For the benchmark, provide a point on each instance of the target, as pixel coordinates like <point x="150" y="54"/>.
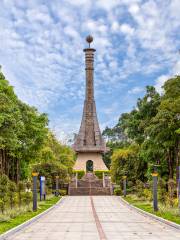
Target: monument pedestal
<point x="90" y="185"/>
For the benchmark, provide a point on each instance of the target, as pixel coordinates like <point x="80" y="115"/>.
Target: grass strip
<point x="21" y="218"/>
<point x="165" y="212"/>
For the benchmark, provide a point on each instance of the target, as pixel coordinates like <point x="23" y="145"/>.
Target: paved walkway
<point x="97" y="217"/>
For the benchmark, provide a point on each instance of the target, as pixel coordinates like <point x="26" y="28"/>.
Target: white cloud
<point x="134" y="9"/>
<point x="71" y="32"/>
<point x="107" y="5"/>
<point x="160" y="82"/>
<point x="176" y="68"/>
<point x="115" y="27"/>
<point x="126" y="29"/>
<point x="136" y="90"/>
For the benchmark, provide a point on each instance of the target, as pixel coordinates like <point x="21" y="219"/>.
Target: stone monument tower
<point x="89" y="144"/>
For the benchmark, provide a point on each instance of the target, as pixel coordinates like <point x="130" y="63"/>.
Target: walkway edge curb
<point x="24" y="224"/>
<point x="150" y="215"/>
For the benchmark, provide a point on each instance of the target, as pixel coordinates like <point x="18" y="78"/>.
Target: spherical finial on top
<point x="89" y="39"/>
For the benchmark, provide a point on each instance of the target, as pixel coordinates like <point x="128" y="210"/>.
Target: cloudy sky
<point x="41" y="43"/>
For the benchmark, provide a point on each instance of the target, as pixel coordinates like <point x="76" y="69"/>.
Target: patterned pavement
<point x="93" y="218"/>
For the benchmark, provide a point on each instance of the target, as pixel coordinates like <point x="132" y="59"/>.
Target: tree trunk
<point x="3" y="161"/>
<point x="17" y="170"/>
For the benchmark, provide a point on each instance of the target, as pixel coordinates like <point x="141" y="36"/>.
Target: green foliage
<point x="51" y="170"/>
<point x="80" y="173"/>
<point x="139" y="187"/>
<point x="171" y="191"/>
<point x="20" y="189"/>
<point x="118" y="191"/>
<point x="12" y="193"/>
<point x="62" y="192"/>
<point x="55" y="159"/>
<point x="147" y="194"/>
<point x="162" y="190"/>
<point x="99" y="173"/>
<point x="123" y="164"/>
<point x="28" y="198"/>
<point x="3" y="191"/>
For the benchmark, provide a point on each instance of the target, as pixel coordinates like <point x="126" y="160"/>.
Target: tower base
<point x="96" y="158"/>
<point x="89" y="184"/>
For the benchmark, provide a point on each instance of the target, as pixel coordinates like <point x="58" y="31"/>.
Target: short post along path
<point x="93" y="218"/>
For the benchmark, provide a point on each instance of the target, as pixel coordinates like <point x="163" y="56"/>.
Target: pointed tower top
<point x="89" y="39"/>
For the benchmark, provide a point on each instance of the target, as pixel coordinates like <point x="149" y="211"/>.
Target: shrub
<point x="171" y="191"/>
<point x="62" y="192"/>
<point x="28" y="185"/>
<point x="162" y="192"/>
<point x="99" y="173"/>
<point x="80" y="173"/>
<point x="117" y="191"/>
<point x="147" y="193"/>
<point x="139" y="188"/>
<point x="3" y="191"/>
<point x="12" y="193"/>
<point x="130" y="187"/>
<point x="27" y="196"/>
<point x="20" y="189"/>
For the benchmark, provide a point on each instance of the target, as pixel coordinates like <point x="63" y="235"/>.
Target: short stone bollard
<point x="34" y="191"/>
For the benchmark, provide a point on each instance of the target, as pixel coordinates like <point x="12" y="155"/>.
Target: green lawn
<point x="24" y="216"/>
<point x="166" y="212"/>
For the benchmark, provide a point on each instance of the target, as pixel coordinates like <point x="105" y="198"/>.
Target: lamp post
<point x="124" y="185"/>
<point x="155" y="183"/>
<point x="57" y="186"/>
<point x="179" y="189"/>
<point x="34" y="174"/>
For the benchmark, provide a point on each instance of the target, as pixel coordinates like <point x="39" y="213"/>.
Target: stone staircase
<point x="89" y="185"/>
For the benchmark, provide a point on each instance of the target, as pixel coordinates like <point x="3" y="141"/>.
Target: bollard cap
<point x="35" y="174"/>
<point x="154" y="174"/>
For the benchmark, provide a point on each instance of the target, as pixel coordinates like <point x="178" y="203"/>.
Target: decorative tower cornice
<point x="89" y="138"/>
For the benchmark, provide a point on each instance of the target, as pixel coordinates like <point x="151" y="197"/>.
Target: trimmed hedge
<point x="80" y="173"/>
<point x="99" y="173"/>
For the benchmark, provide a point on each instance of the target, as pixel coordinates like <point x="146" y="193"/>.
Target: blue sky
<point x="41" y="43"/>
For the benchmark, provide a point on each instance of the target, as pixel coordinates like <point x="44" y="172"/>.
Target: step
<point x="82" y="191"/>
